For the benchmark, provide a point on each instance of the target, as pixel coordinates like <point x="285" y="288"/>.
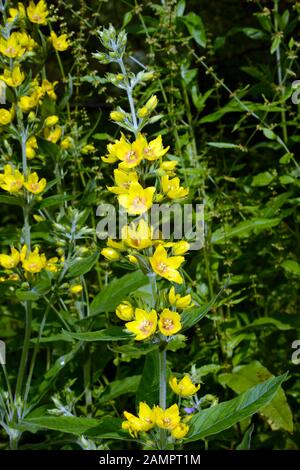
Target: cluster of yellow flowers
<point x="168" y="419"/>
<point x="32" y="261"/>
<point x="12" y="181"/>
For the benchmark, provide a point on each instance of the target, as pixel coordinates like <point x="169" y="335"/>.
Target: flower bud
<point x="143" y="112"/>
<point x="110" y="254"/>
<point x="125" y="311"/>
<point x="51" y="121"/>
<point x="152" y="103"/>
<point x="117" y="116"/>
<point x="76" y="289"/>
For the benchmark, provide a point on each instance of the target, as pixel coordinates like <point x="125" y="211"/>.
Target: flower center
<point x="10" y="50"/>
<point x="166" y="421"/>
<point x="148" y="151"/>
<point x="168" y="324"/>
<point x="130" y="156"/>
<point x="145" y="326"/>
<point x="162" y="267"/>
<point x="34" y="186"/>
<point x="139" y="202"/>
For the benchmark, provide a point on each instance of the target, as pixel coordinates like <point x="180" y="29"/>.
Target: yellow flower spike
<point x="60" y="43"/>
<point x="166" y="266"/>
<point x="169" y="322"/>
<point x="130" y="155"/>
<point x="10" y="261"/>
<point x="180" y="248"/>
<point x="167" y="419"/>
<point x="76" y="289"/>
<point x="13" y="78"/>
<point x="123" y="179"/>
<point x="125" y="311"/>
<point x="37" y="13"/>
<point x="51" y="121"/>
<point x="154" y="150"/>
<point x="144" y="324"/>
<point x="34" y="185"/>
<point x="172" y="188"/>
<point x="110" y="254"/>
<point x="138" y="236"/>
<point x="11" y="180"/>
<point x="138" y="200"/>
<point x="180" y="431"/>
<point x="6" y="116"/>
<point x="185" y="387"/>
<point x="34" y="262"/>
<point x="53" y="135"/>
<point x="178" y="301"/>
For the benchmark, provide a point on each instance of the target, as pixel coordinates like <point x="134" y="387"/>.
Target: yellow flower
<point x="26" y="103"/>
<point x="11" y="47"/>
<point x="138" y="200"/>
<point x="11" y="180"/>
<point x="179" y="248"/>
<point x="125" y="311"/>
<point x="10" y="261"/>
<point x="26" y="41"/>
<point x="168" y="166"/>
<point x="138" y="236"/>
<point x="88" y="148"/>
<point x="38" y="13"/>
<point x="152" y="103"/>
<point x="180" y="431"/>
<point x="129" y="154"/>
<point x="141" y="423"/>
<point x="48" y="88"/>
<point x="154" y="149"/>
<point x="144" y="324"/>
<point x="52" y="135"/>
<point x="178" y="301"/>
<point x="185" y="387"/>
<point x="169" y="322"/>
<point x="167" y="419"/>
<point x="31" y="147"/>
<point x="166" y="266"/>
<point x="123" y="180"/>
<point x="51" y="121"/>
<point x="132" y="259"/>
<point x="110" y="254"/>
<point x="20" y="12"/>
<point x="13" y="78"/>
<point x="66" y="143"/>
<point x="172" y="188"/>
<point x="60" y="43"/>
<point x="34" y="262"/>
<point x="33" y="185"/>
<point x="52" y="265"/>
<point x="117" y="116"/>
<point x="142" y="112"/>
<point x="6" y="116"/>
<point x="113" y="244"/>
<point x="76" y="289"/>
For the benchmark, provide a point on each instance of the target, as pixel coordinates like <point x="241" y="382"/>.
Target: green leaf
<point x="269" y="134"/>
<point x="11" y="200"/>
<point x="245" y="444"/>
<point x="291" y="266"/>
<point x="114" y="333"/>
<point x="116" y="291"/>
<point x="148" y="389"/>
<point x="195" y="27"/>
<point x="223" y="145"/>
<point x="262" y="179"/>
<point x="243" y="229"/>
<point x="191" y="316"/>
<point x="105" y="428"/>
<point x="275" y="44"/>
<point x="82" y="266"/>
<point x="277" y="412"/>
<point x="56" y="200"/>
<point x="224" y="415"/>
<point x="120" y="387"/>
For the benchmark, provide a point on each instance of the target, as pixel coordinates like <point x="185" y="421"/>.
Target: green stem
<point x="130" y="97"/>
<point x="162" y="394"/>
<point x="280" y="78"/>
<point x="25" y="349"/>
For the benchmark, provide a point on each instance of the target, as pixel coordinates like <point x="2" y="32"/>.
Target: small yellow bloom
<point x="38" y="13"/>
<point x="34" y="262"/>
<point x="132" y="259"/>
<point x="26" y="103"/>
<point x="48" y="88"/>
<point x="117" y="116"/>
<point x="33" y="185"/>
<point x="51" y="121"/>
<point x="13" y="78"/>
<point x="31" y="147"/>
<point x="138" y="200"/>
<point x="13" y="12"/>
<point x="76" y="289"/>
<point x="125" y="311"/>
<point x="167" y="419"/>
<point x="11" y="46"/>
<point x="179" y="248"/>
<point x="11" y="180"/>
<point x="60" y="43"/>
<point x="166" y="266"/>
<point x="52" y="265"/>
<point x="152" y="103"/>
<point x="123" y="179"/>
<point x="185" y="387"/>
<point x="10" y="261"/>
<point x="180" y="431"/>
<point x="6" y="116"/>
<point x="169" y="322"/>
<point x="66" y="143"/>
<point x="52" y="135"/>
<point x="142" y="112"/>
<point x="154" y="150"/>
<point x="172" y="188"/>
<point x="147" y="416"/>
<point x="129" y="154"/>
<point x="138" y="236"/>
<point x="110" y="254"/>
<point x="141" y="423"/>
<point x="178" y="301"/>
<point x="144" y="324"/>
<point x="88" y="148"/>
<point x="169" y="165"/>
